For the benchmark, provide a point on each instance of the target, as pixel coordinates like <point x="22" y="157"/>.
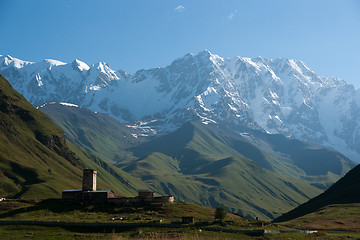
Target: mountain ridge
<point x="276" y="96"/>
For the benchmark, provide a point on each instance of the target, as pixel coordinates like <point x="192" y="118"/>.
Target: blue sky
<point x="132" y="35"/>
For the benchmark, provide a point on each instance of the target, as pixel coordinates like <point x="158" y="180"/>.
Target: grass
<point x="237" y="183"/>
<point x="35" y="160"/>
<point x="344" y="234"/>
<point x="342" y="217"/>
<point x="96" y="133"/>
<point x="58" y="233"/>
<point x="45" y="233"/>
<point x="198" y="165"/>
<point x="344" y="191"/>
<point x="108" y="176"/>
<point x="53" y="210"/>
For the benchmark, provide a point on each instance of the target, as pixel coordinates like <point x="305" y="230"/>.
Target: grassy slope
<point x="96" y="133"/>
<point x="110" y="140"/>
<point x="237" y="183"/>
<point x="186" y="163"/>
<point x="36" y="162"/>
<point x="109" y="177"/>
<point x="290" y="157"/>
<point x="346" y="190"/>
<point x="30" y="148"/>
<point x="313" y="159"/>
<point x="54" y="211"/>
<point x="332" y="217"/>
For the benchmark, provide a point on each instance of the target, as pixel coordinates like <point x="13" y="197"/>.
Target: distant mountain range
<point x="280" y="96"/>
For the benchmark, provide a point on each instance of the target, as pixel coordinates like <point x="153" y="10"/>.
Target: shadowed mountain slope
<point x="95" y="132"/>
<point x="344" y="191"/>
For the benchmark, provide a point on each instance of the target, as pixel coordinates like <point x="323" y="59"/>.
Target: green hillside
<point x="237" y="183"/>
<point x="198" y="163"/>
<point x="293" y="158"/>
<point x="95" y="132"/>
<point x="185" y="164"/>
<point x="339" y="217"/>
<point x="195" y="145"/>
<point x="253" y="174"/>
<point x="116" y="143"/>
<point x="154" y="221"/>
<point x="36" y="161"/>
<point x="122" y="183"/>
<point x="344" y="191"/>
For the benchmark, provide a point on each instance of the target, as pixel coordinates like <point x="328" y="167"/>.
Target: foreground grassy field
<point x="44" y="233"/>
<point x="204" y="227"/>
<point x="58" y="233"/>
<point x="342" y="217"/>
<point x="55" y="210"/>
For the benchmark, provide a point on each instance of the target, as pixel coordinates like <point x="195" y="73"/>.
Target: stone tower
<point x="89" y="180"/>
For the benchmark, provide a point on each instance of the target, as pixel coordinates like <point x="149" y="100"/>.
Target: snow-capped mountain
<point x="278" y="96"/>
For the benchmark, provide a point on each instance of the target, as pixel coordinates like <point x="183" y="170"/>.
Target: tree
<point x="220" y="213"/>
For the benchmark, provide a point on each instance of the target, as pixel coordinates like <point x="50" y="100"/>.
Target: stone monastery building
<point x="89" y="194"/>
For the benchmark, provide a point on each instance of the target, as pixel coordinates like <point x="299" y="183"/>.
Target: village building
<point x="89" y="193"/>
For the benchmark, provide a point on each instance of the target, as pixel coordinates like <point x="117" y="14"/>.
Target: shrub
<point x="220" y="213"/>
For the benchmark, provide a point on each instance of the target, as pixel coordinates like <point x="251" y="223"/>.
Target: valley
<point x="254" y="175"/>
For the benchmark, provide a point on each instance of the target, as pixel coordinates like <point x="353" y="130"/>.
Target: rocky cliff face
<point x="278" y="96"/>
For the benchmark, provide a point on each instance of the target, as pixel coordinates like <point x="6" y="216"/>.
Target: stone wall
<point x="164" y="199"/>
<point x="132" y="200"/>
